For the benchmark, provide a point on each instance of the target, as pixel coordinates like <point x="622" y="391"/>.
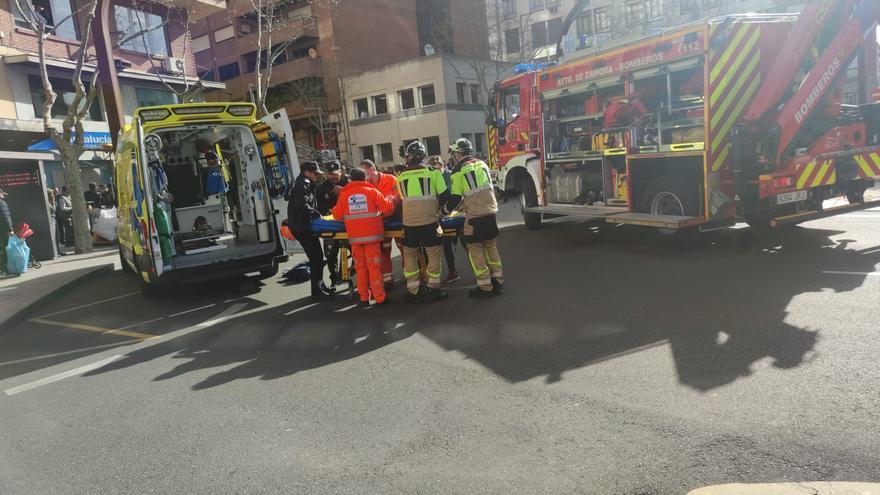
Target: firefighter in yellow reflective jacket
<point x="422" y="192"/>
<point x="473" y="195"/>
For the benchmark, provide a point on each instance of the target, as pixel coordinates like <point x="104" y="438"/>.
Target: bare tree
<point x="68" y="136"/>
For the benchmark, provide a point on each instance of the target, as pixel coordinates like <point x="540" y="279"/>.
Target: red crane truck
<point x="738" y="118"/>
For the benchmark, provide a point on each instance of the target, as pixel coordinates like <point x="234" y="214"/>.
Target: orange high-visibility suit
<point x="387" y="184"/>
<point x="363" y="207"/>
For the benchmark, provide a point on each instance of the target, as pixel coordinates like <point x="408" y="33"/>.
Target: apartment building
<point x="332" y="40"/>
<point x="28" y="161"/>
<point x="526" y="30"/>
<point x="435" y="99"/>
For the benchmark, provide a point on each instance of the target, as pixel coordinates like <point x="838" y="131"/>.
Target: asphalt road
<point x="613" y="364"/>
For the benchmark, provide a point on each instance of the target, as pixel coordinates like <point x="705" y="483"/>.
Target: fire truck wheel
<point x="528" y="199"/>
<point x="670" y="195"/>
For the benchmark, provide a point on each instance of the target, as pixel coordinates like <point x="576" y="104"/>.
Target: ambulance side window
<point x="510" y="102"/>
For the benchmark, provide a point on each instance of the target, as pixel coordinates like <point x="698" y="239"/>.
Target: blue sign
<point x="93" y="141"/>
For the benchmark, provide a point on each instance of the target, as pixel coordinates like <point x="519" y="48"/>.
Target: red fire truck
<point x="755" y="118"/>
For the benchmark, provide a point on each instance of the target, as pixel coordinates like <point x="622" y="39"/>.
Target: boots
<point x="434" y="295"/>
<point x="479" y="293"/>
<point x="497" y="286"/>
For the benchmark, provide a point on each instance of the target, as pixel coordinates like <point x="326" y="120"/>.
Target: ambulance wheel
<point x="529" y="198"/>
<point x="126" y="268"/>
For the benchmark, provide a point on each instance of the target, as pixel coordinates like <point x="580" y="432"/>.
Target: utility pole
<point x="107" y="70"/>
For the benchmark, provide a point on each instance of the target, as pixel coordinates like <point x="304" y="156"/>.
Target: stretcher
<point x="328" y="228"/>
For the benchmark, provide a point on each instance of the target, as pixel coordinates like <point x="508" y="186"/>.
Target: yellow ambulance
<point x="200" y="192"/>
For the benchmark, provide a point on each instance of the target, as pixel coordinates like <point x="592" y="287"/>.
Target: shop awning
<point x="94" y="141"/>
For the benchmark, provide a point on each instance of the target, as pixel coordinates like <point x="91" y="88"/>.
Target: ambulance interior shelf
<point x="198" y="183"/>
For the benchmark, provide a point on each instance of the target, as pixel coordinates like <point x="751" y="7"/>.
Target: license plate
<point x="791" y="197"/>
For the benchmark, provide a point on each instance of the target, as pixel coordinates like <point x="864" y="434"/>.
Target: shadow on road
<point x="572" y="300"/>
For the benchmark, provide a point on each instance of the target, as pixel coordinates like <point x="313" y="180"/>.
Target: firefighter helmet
<point x="416" y="150"/>
<point x="463" y="146"/>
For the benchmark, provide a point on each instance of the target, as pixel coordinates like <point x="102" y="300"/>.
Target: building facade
<point x="527" y="30"/>
<point x="152" y="68"/>
<point x="435" y="99"/>
<point x="331" y="40"/>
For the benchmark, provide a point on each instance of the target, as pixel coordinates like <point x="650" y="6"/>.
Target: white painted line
<point x="74" y="351"/>
<point x="61" y="376"/>
<point x="142" y="323"/>
<point x="345" y="308"/>
<point x="235" y="308"/>
<point x="6" y="289"/>
<point x="861" y="274"/>
<point x="192" y="310"/>
<point x="90" y="304"/>
<point x="297" y="310"/>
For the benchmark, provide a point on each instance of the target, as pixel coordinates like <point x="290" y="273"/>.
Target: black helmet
<point x="463" y="146"/>
<point x="416" y="150"/>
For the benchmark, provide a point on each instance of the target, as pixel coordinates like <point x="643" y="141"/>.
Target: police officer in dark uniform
<point x="328" y="193"/>
<point x="302" y="208"/>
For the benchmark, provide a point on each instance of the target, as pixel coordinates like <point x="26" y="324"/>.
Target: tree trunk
<point x="82" y="230"/>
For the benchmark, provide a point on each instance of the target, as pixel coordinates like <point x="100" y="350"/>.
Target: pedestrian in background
<point x="302" y="208"/>
<point x="363" y="208"/>
<point x="387" y="185"/>
<point x="449" y="242"/>
<point x="64" y="213"/>
<point x="473" y="194"/>
<point x="53" y="207"/>
<point x="328" y="194"/>
<point x="6" y="228"/>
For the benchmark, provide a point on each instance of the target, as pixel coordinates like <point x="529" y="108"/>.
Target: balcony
<point x="198" y="9"/>
<point x="239" y="87"/>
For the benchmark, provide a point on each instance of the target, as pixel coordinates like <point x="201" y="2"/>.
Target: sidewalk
<point x="18" y="294"/>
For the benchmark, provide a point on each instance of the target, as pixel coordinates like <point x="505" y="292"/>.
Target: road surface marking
<point x="297" y="310"/>
<point x="92" y="328"/>
<point x="142" y="323"/>
<point x="862" y="274"/>
<point x="91" y="304"/>
<point x="8" y="288"/>
<point x="75" y="351"/>
<point x="235" y="308"/>
<point x="61" y="376"/>
<point x="345" y="308"/>
<point x="191" y="310"/>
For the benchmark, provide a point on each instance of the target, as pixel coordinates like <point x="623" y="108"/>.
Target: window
<point x="407" y="99"/>
<point x="585" y="24"/>
<point x="508" y="8"/>
<point x="433" y="145"/>
<point x="223" y="34"/>
<point x="380" y="105"/>
<point x="539" y="34"/>
<point x="54" y="11"/>
<point x="367" y="153"/>
<point x="201" y="43"/>
<point x="207" y="75"/>
<point x="554" y="30"/>
<point x="511" y="41"/>
<point x="475" y="94"/>
<point x="536" y="5"/>
<point x="361" y="108"/>
<point x="479" y="144"/>
<point x="229" y="71"/>
<point x="427" y="95"/>
<point x="386" y="154"/>
<point x="654" y="9"/>
<point x="511" y="103"/>
<point x="64" y="89"/>
<point x="130" y="21"/>
<point x="147" y="97"/>
<point x="602" y="20"/>
<point x="459" y="92"/>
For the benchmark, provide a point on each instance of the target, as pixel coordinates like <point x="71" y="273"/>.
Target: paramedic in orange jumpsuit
<point x="363" y="208"/>
<point x="387" y="185"/>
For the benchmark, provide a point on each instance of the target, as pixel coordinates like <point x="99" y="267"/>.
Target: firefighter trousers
<point x="411" y="267"/>
<point x="486" y="262"/>
<point x="368" y="270"/>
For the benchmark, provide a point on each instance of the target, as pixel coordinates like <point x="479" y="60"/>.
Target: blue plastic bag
<point x="17" y="255"/>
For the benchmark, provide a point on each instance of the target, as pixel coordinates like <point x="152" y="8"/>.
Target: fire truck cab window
<point x="510" y="101"/>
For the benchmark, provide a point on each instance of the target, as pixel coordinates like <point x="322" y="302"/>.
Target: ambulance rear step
<point x="674" y="222"/>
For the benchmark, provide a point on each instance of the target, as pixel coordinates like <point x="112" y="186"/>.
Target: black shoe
<point x="497" y="286"/>
<point x="435" y="295"/>
<point x="364" y="304"/>
<point x="414" y="298"/>
<point x="327" y="290"/>
<point x="481" y="294"/>
<point x="321" y="296"/>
